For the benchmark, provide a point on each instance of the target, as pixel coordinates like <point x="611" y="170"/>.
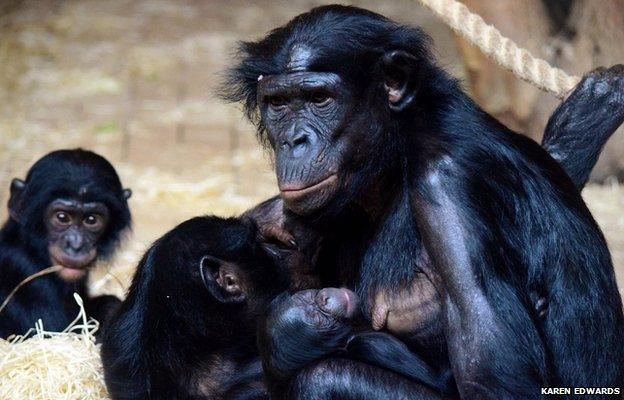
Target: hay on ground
<point x="44" y="365"/>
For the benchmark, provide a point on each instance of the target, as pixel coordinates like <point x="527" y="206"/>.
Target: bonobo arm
<point x="385" y="351"/>
<point x="582" y="124"/>
<point x="575" y="135"/>
<point x="483" y="351"/>
<point x="337" y="378"/>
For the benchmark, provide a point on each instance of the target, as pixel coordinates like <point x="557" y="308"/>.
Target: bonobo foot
<point x="582" y="124"/>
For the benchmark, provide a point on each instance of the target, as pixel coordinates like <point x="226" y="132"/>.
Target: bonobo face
<point x="304" y="115"/>
<point x="73" y="231"/>
<point x="323" y="309"/>
<point x="333" y="89"/>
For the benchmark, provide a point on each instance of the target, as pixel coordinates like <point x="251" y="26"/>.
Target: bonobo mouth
<point x="295" y="191"/>
<point x="74" y="267"/>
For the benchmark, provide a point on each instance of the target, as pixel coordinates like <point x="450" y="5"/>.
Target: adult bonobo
<point x="424" y="199"/>
<point x="70" y="210"/>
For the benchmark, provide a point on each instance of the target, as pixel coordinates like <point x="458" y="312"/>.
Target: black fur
<point x="528" y="233"/>
<point x="23" y="243"/>
<point x="296" y="334"/>
<point x="172" y="338"/>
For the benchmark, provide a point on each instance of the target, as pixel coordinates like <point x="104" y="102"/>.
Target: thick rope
<point x="501" y="49"/>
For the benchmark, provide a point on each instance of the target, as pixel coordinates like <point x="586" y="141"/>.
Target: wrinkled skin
<point x="74" y="229"/>
<point x="305" y="112"/>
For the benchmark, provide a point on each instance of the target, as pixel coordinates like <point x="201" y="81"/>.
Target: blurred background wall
<point x="134" y="81"/>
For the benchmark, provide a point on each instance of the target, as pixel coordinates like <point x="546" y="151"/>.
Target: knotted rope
<point x="501" y="49"/>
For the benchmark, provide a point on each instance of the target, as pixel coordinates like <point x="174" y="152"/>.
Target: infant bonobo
<point x="303" y="328"/>
<point x="187" y="328"/>
<point x="69" y="211"/>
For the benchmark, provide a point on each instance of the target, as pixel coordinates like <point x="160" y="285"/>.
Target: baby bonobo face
<point x="305" y="326"/>
<point x="323" y="308"/>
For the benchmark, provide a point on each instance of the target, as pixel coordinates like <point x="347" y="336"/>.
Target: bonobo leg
<point x="582" y="124"/>
<point x="345" y="379"/>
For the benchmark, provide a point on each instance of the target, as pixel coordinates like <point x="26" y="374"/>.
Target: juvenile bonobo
<point x="187" y="328"/>
<point x="408" y="181"/>
<point x="307" y="327"/>
<point x="70" y="210"/>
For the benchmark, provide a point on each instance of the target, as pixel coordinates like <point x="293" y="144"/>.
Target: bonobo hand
<point x="602" y="92"/>
<point x="269" y="217"/>
<point x="585" y="120"/>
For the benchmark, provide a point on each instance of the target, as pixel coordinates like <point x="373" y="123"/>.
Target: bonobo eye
<point x="62" y="217"/>
<point x="277" y="101"/>
<point x="93" y="221"/>
<point x="320" y="98"/>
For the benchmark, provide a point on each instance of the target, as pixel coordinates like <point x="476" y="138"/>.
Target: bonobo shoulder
<point x="434" y="177"/>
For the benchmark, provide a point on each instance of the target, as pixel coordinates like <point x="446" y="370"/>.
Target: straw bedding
<point x="53" y="365"/>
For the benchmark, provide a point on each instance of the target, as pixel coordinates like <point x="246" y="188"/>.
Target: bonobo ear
<point x="127" y="193"/>
<point x="15" y="201"/>
<point x="401" y="78"/>
<point x="222" y="280"/>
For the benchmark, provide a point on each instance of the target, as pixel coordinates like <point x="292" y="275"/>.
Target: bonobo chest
<point x="394" y="278"/>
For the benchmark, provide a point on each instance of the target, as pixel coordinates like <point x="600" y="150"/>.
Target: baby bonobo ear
<point x="222" y="279"/>
<point x="127" y="193"/>
<point x="15" y="201"/>
<point x="401" y="78"/>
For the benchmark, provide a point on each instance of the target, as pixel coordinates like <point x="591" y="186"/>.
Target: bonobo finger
<point x="278" y="234"/>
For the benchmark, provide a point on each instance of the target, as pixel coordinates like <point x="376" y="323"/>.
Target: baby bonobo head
<point x="69" y="211"/>
<point x="317" y="322"/>
<point x="322" y="309"/>
<point x="212" y="263"/>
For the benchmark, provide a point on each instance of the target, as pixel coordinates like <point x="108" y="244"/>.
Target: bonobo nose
<point x="332" y="301"/>
<point x="74" y="241"/>
<point x="338" y="302"/>
<point x="297" y="144"/>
